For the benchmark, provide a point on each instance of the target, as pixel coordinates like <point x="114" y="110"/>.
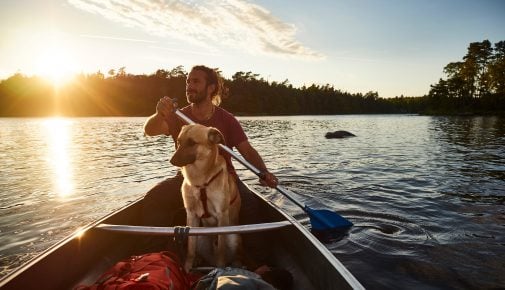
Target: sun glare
<point x="55" y="63"/>
<point x="79" y="233"/>
<point x="58" y="134"/>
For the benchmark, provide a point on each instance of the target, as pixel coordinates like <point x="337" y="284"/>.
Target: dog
<point x="209" y="191"/>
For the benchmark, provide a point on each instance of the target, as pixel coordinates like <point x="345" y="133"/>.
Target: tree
<point x="121" y="72"/>
<point x="475" y="69"/>
<point x="161" y="74"/>
<point x="455" y="85"/>
<point x="178" y="72"/>
<point x="475" y="83"/>
<point x="497" y="70"/>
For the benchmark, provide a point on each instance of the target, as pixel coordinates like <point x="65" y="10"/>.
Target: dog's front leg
<point x="192" y="221"/>
<point x="223" y="220"/>
<point x="234" y="242"/>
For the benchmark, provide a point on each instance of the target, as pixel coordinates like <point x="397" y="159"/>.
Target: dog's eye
<point x="190" y="142"/>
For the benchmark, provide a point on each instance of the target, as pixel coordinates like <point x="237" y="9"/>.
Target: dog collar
<point x="210" y="180"/>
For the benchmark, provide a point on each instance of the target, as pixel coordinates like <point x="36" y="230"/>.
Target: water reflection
<point x="425" y="193"/>
<point x="471" y="150"/>
<point x="58" y="139"/>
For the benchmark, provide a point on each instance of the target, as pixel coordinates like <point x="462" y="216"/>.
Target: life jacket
<point x="153" y="271"/>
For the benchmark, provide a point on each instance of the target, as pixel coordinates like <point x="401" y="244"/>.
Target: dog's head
<point x="196" y="142"/>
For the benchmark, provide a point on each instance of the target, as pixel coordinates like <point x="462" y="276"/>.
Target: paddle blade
<point x="322" y="220"/>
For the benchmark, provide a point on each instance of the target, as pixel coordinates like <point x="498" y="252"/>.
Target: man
<point x="203" y="89"/>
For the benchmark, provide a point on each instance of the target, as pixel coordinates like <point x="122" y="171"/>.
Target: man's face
<point x="196" y="87"/>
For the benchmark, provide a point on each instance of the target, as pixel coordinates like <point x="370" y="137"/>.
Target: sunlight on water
<point x="58" y="132"/>
<point x="425" y="194"/>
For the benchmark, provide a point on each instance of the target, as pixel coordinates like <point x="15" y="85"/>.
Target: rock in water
<point x="339" y="134"/>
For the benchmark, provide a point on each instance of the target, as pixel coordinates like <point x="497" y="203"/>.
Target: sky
<point x="393" y="47"/>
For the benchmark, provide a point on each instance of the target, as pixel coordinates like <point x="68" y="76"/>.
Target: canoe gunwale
<point x="193" y="231"/>
<point x="287" y="226"/>
<point x="76" y="235"/>
<point x="346" y="274"/>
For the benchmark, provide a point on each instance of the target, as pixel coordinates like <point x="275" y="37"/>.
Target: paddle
<point x="320" y="220"/>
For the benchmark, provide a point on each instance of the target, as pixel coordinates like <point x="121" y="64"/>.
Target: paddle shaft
<point x="319" y="219"/>
<point x="246" y="163"/>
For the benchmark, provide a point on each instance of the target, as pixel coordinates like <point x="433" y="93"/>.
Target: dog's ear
<point x="215" y="136"/>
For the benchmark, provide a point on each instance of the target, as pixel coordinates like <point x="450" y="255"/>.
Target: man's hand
<point x="157" y="123"/>
<point x="165" y="107"/>
<point x="268" y="179"/>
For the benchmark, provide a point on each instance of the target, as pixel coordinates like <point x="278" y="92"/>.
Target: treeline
<point x="251" y="94"/>
<point x="475" y="85"/>
<point x="123" y="94"/>
<point x="119" y="94"/>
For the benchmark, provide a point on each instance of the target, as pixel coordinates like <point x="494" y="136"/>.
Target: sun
<point x="56" y="64"/>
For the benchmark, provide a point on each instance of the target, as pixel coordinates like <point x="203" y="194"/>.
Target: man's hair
<point x="213" y="78"/>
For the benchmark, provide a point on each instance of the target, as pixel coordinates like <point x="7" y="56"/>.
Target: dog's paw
<point x="188" y="265"/>
<point x="220" y="261"/>
<point x="187" y="268"/>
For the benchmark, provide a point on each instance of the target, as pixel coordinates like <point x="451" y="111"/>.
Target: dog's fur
<point x="198" y="155"/>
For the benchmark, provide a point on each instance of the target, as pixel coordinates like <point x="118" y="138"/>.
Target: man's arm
<point x="157" y="124"/>
<point x="250" y="154"/>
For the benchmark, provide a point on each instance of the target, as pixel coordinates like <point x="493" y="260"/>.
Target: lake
<point x="426" y="194"/>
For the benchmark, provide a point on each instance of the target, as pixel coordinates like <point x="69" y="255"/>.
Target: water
<point x="426" y="194"/>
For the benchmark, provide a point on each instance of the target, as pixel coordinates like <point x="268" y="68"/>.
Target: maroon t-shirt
<point x="222" y="120"/>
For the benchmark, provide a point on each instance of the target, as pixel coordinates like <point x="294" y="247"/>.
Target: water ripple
<point x="425" y="193"/>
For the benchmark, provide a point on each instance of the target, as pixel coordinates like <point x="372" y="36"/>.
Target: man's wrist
<point x="160" y="116"/>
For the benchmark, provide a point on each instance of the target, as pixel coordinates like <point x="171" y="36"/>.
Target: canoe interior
<point x="79" y="260"/>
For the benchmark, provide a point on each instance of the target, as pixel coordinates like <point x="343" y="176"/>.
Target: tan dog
<point x="209" y="191"/>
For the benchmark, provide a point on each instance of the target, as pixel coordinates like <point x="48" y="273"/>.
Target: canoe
<point x="82" y="257"/>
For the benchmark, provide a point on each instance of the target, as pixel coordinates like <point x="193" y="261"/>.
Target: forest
<point x="474" y="85"/>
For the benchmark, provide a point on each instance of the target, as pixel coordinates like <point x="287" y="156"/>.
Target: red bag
<point x="153" y="271"/>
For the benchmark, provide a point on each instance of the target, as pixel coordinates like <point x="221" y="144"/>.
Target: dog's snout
<point x="182" y="157"/>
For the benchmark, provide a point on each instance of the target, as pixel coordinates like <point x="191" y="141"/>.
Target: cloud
<point x="211" y="53"/>
<point x="117" y="38"/>
<point x="211" y="23"/>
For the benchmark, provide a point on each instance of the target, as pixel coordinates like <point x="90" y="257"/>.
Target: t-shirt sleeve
<point x="237" y="134"/>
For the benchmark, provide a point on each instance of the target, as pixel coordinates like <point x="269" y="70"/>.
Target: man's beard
<point x="195" y="97"/>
